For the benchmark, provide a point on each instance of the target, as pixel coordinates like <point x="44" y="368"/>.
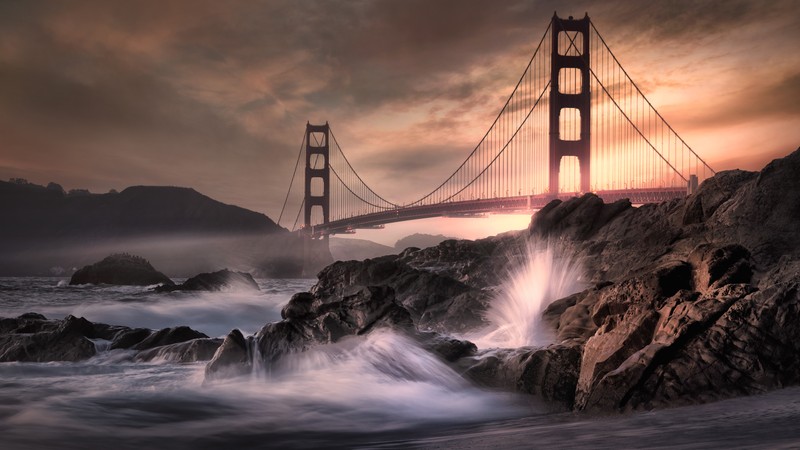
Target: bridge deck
<point x="472" y="208"/>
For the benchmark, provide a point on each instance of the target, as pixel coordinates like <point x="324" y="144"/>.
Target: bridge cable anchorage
<point x="491" y="127"/>
<point x="572" y="45"/>
<point x="291" y="183"/>
<point x="648" y="101"/>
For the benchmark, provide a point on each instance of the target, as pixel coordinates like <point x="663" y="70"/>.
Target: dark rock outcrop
<point x="688" y="301"/>
<point x="231" y="359"/>
<point x="120" y="269"/>
<point x="168" y="336"/>
<point x="199" y="349"/>
<point x="311" y="319"/>
<point x="33" y="338"/>
<point x="43" y="228"/>
<point x="215" y="281"/>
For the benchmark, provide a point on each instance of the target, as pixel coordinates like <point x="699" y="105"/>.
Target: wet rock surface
<point x="120" y="269"/>
<point x="220" y="280"/>
<point x="687" y="301"/>
<point x="33" y="338"/>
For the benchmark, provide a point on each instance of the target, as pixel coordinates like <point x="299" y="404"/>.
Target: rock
<point x="200" y="349"/>
<point x="299" y="306"/>
<point x="549" y="373"/>
<point x="552" y="374"/>
<point x="32" y="316"/>
<point x="691" y="300"/>
<point x="127" y="338"/>
<point x="231" y="359"/>
<point x="167" y="336"/>
<point x="576" y="219"/>
<point x="681" y="324"/>
<point x="718" y="266"/>
<point x="355" y="311"/>
<point x="215" y="281"/>
<point x="750" y="346"/>
<point x="711" y="195"/>
<point x="31" y="339"/>
<point x="120" y="269"/>
<point x="448" y="348"/>
<point x="437" y="286"/>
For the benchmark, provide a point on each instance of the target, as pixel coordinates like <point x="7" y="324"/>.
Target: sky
<point x="102" y="95"/>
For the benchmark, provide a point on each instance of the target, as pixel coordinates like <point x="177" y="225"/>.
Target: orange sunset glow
<point x="215" y="95"/>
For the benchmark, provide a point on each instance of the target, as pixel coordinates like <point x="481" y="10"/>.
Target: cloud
<point x="215" y="95"/>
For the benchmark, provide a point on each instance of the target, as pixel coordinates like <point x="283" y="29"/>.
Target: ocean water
<point x="373" y="391"/>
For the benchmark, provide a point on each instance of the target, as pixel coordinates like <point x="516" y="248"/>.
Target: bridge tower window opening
<point x="570" y="179"/>
<point x="317" y="187"/>
<point x="317" y="215"/>
<point x="570" y="43"/>
<point x="318" y="138"/>
<point x="569" y="124"/>
<point x="570" y="81"/>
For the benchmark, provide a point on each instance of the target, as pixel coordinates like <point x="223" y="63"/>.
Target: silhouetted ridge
<point x="47" y="231"/>
<point x="33" y="211"/>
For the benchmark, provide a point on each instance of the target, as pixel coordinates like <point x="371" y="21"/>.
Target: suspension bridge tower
<point x="317" y="147"/>
<point x="570" y="98"/>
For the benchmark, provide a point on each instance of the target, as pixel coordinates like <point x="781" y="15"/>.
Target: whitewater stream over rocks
<point x="376" y="391"/>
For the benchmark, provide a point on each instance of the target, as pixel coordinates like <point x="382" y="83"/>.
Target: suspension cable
<point x="645" y="98"/>
<point x="504" y="146"/>
<point x="291" y="183"/>
<point x="583" y="60"/>
<point x="341" y="152"/>
<point x="491" y="127"/>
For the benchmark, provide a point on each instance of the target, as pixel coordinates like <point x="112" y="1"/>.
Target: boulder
<point x="233" y="358"/>
<point x="321" y="320"/>
<point x="128" y="337"/>
<point x="120" y="269"/>
<point x="215" y="281"/>
<point x="549" y="373"/>
<point x="194" y="350"/>
<point x="689" y="300"/>
<point x="33" y="338"/>
<point x="167" y="336"/>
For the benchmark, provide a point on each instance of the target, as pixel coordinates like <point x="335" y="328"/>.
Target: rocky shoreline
<point x="32" y="337"/>
<point x="688" y="301"/>
<point x="683" y="302"/>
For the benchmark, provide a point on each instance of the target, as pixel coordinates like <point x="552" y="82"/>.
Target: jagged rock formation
<point x="309" y="320"/>
<point x="120" y="269"/>
<point x="33" y="338"/>
<point x="345" y="249"/>
<point x="215" y="281"/>
<point x="419" y="240"/>
<point x="687" y="301"/>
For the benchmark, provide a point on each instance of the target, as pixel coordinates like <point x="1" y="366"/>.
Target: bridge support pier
<point x="317" y="146"/>
<point x="575" y="59"/>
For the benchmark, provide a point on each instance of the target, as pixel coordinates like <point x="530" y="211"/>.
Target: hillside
<point x="34" y="211"/>
<point x="46" y="231"/>
<point x="420" y="240"/>
<point x="345" y="249"/>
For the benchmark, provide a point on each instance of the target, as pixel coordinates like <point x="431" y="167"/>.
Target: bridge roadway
<point x="474" y="208"/>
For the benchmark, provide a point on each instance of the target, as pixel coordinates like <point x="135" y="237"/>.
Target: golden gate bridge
<point x="574" y="123"/>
